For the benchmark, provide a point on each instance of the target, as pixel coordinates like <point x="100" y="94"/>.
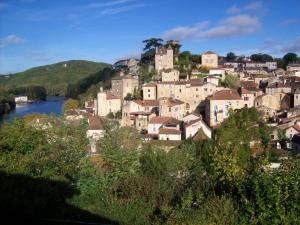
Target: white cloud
<point x="11" y="39"/>
<point x="109" y="3"/>
<point x="233" y="10"/>
<point x="228" y="27"/>
<point x="111" y="11"/>
<point x="288" y="22"/>
<point x="254" y="7"/>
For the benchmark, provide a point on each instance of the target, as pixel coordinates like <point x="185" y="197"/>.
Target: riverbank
<point x="51" y="106"/>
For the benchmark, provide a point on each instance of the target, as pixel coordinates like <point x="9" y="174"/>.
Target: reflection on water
<point x="51" y="106"/>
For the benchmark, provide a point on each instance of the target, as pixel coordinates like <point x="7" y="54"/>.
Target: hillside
<point x="55" y="77"/>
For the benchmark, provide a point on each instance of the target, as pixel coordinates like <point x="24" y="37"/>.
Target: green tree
<point x="289" y="58"/>
<point x="230" y="57"/>
<point x="231" y="81"/>
<point x="69" y="105"/>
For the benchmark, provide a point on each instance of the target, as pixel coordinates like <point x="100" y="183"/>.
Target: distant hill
<point x="55" y="77"/>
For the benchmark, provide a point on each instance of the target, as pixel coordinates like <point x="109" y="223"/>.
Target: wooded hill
<point x="55" y="77"/>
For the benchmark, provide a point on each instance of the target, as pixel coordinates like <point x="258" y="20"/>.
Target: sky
<point x="40" y="32"/>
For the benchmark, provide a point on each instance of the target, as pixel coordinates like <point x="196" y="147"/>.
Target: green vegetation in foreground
<point x="221" y="181"/>
<point x="7" y="101"/>
<point x="55" y="77"/>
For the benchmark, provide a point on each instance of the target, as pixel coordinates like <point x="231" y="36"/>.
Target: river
<point x="51" y="106"/>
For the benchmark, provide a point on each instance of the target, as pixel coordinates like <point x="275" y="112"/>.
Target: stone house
<point x="169" y="107"/>
<point x="192" y="92"/>
<point x="107" y="103"/>
<point x="164" y="128"/>
<point x="149" y="91"/>
<point x="163" y="58"/>
<point x="123" y="85"/>
<point x="169" y="75"/>
<point x="94" y="132"/>
<point x="209" y="59"/>
<point x="138" y="112"/>
<point x="218" y="106"/>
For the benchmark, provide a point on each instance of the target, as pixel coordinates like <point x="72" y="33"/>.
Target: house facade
<point x="218" y="106"/>
<point x="209" y="59"/>
<point x="163" y="58"/>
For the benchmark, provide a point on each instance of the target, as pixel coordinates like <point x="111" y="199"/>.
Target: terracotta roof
<point x="297" y="128"/>
<point x="94" y="123"/>
<point x="192" y="82"/>
<point x="245" y="91"/>
<point x="110" y="95"/>
<point x="146" y="102"/>
<point x="163" y="120"/>
<point x="191" y="122"/>
<point x="173" y="102"/>
<point x="169" y="131"/>
<point x="247" y="84"/>
<point x="279" y="85"/>
<point x="208" y="53"/>
<point x="150" y="85"/>
<point x="140" y="113"/>
<point x="226" y="95"/>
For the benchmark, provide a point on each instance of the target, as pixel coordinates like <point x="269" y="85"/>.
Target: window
<point x="296" y="96"/>
<point x="197" y="96"/>
<point x="180" y="90"/>
<point x="196" y="89"/>
<point x="148" y="95"/>
<point x="169" y="109"/>
<point x="205" y="89"/>
<point x="148" y="90"/>
<point x="246" y="98"/>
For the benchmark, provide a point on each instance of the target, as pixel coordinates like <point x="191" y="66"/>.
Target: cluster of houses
<point x="177" y="107"/>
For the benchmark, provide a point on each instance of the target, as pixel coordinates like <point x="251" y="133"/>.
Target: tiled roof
<point x="140" y="113"/>
<point x="146" y="102"/>
<point x="192" y="82"/>
<point x="173" y="102"/>
<point x="208" y="53"/>
<point x="297" y="128"/>
<point x="110" y="96"/>
<point x="279" y="85"/>
<point x="94" y="123"/>
<point x="150" y="85"/>
<point x="163" y="120"/>
<point x="191" y="122"/>
<point x="169" y="131"/>
<point x="226" y="95"/>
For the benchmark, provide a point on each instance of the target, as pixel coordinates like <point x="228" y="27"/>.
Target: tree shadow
<point x="27" y="200"/>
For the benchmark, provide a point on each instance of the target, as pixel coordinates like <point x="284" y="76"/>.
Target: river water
<point x="51" y="106"/>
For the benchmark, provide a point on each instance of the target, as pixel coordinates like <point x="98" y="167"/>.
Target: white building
<point x="21" y="99"/>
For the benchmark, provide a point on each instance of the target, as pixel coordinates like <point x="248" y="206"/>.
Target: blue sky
<point x="38" y="32"/>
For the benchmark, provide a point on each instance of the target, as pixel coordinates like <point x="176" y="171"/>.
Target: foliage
<point x="55" y="78"/>
<point x="218" y="181"/>
<point x="69" y="105"/>
<point x="7" y="102"/>
<point x="231" y="81"/>
<point x="231" y="57"/>
<point x="289" y="58"/>
<point x="261" y="57"/>
<point x="32" y="92"/>
<point x="148" y="54"/>
<point x="101" y="78"/>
